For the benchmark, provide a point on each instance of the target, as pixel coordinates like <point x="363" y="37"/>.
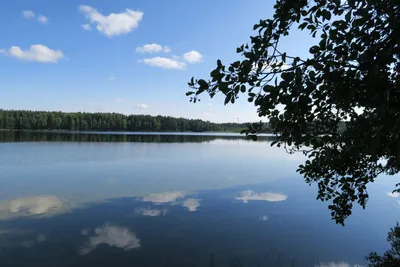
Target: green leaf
<point x="287" y="76"/>
<point x="227" y="99"/>
<point x="326" y="14"/>
<point x="274" y="142"/>
<point x="191" y="83"/>
<point x="312" y="75"/>
<point x="236" y="64"/>
<point x="298" y="74"/>
<point x="314" y="49"/>
<point x="284" y="57"/>
<point x="189" y="93"/>
<point x="268" y="88"/>
<point x="223" y="87"/>
<point x="348" y="16"/>
<point x="203" y="84"/>
<point x="303" y="25"/>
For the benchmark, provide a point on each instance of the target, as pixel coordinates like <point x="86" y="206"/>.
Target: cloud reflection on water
<point x="39" y="239"/>
<point x="191" y="204"/>
<point x="336" y="264"/>
<point x="114" y="236"/>
<point x="32" y="205"/>
<point x="164" y="197"/>
<point x="152" y="212"/>
<point x="248" y="195"/>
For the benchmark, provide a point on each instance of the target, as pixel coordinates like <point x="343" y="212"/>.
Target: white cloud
<point x="391" y="194"/>
<point x="115" y="23"/>
<point x="165" y="63"/>
<point x="114" y="236"/>
<point x="34" y="205"/>
<point x="86" y="27"/>
<point x="245" y="196"/>
<point x="152" y="212"/>
<point x="153" y="48"/>
<point x="28" y="14"/>
<point x="191" y="204"/>
<point x="142" y="106"/>
<point x="42" y="19"/>
<point x="193" y="57"/>
<point x="164" y="197"/>
<point x="208" y="114"/>
<point x="336" y="264"/>
<point x="264" y="218"/>
<point x="119" y="100"/>
<point x="37" y="53"/>
<point x="112" y="78"/>
<point x="209" y="104"/>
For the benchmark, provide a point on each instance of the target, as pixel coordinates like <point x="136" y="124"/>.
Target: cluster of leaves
<point x="352" y="74"/>
<point x="390" y="258"/>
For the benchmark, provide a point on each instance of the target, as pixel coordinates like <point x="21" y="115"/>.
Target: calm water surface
<point x="172" y="200"/>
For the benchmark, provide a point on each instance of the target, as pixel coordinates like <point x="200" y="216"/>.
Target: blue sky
<point x="74" y="56"/>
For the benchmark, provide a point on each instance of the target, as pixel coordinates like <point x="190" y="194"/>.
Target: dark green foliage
<point x="81" y="121"/>
<point x="390" y="258"/>
<point x="352" y="74"/>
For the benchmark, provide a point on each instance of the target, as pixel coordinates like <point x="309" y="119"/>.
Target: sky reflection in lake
<point x="175" y="204"/>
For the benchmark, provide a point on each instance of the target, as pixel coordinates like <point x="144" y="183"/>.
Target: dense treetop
<point x="352" y="74"/>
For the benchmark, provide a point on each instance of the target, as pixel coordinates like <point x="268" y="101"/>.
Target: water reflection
<point x="179" y="204"/>
<point x="248" y="195"/>
<point x="39" y="239"/>
<point x="335" y="264"/>
<point x="113" y="236"/>
<point x="166" y="197"/>
<point x="165" y="228"/>
<point x="152" y="212"/>
<point x="37" y="205"/>
<point x="26" y="136"/>
<point x="191" y="204"/>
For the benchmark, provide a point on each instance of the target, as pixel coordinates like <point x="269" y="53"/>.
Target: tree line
<point x="82" y="121"/>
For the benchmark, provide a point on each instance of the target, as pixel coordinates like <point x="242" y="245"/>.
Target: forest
<point x="82" y="121"/>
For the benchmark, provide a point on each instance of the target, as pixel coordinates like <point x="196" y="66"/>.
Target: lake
<point x="105" y="199"/>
